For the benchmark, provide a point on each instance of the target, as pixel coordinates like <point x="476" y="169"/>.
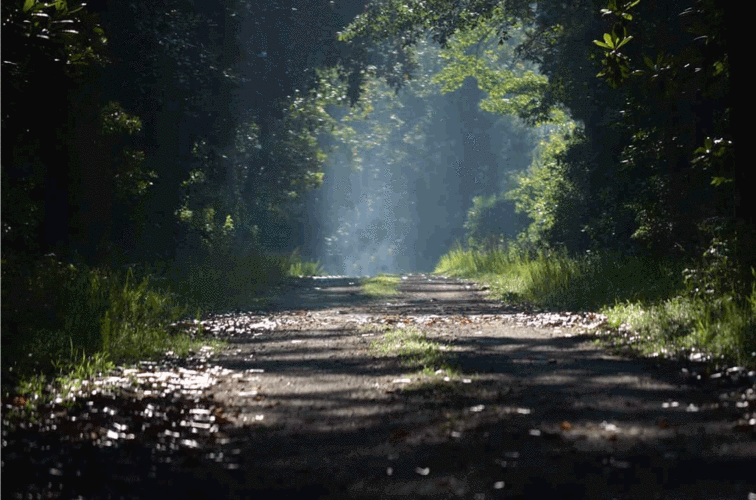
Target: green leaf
<point x="28" y="4"/>
<point x="608" y="40"/>
<point x="602" y="44"/>
<point x="624" y="41"/>
<point x="718" y="181"/>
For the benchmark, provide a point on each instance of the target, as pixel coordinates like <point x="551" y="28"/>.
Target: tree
<point x="51" y="50"/>
<point x="679" y="93"/>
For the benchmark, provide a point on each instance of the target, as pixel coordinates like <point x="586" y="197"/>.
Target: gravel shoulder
<point x="301" y="403"/>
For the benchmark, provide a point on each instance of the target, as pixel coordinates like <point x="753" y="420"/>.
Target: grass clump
<point x="383" y="285"/>
<point x="305" y="268"/>
<point x="297" y="267"/>
<point x="415" y="350"/>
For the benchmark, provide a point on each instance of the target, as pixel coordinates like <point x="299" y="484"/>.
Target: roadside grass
<point x="556" y="280"/>
<point x="418" y="354"/>
<point x="63" y="323"/>
<point x="721" y="332"/>
<point x="224" y="281"/>
<point x="649" y="306"/>
<point x="383" y="285"/>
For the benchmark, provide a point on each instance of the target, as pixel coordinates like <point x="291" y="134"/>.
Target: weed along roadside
<point x="435" y="390"/>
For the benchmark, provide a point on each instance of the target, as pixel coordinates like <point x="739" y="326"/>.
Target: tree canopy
<point x="652" y="166"/>
<point x="166" y="125"/>
<point x="197" y="124"/>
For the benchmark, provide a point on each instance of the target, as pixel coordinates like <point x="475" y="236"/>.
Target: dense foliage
<point x="153" y="137"/>
<point x="651" y="167"/>
<point x="404" y="166"/>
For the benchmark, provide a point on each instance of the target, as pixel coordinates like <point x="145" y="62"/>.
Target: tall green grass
<point x="721" y="330"/>
<point x="649" y="297"/>
<point x="296" y="266"/>
<point x="556" y="280"/>
<point x="61" y="320"/>
<point x="74" y="313"/>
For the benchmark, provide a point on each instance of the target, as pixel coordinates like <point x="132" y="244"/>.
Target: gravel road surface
<point x="303" y="403"/>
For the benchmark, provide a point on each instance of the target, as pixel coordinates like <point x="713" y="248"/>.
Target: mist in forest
<point x="407" y="203"/>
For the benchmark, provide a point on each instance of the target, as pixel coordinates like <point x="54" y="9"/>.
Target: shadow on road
<point x="531" y="415"/>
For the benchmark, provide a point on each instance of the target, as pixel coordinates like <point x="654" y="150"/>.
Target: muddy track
<point x="301" y="403"/>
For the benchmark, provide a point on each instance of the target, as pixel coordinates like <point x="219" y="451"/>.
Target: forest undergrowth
<point x="654" y="307"/>
<point x="63" y="323"/>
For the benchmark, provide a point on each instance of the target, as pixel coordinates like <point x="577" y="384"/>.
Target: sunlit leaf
<point x="624" y="41"/>
<point x="609" y="40"/>
<point x="718" y="181"/>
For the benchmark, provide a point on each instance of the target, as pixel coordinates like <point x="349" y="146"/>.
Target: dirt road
<point x="303" y="402"/>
